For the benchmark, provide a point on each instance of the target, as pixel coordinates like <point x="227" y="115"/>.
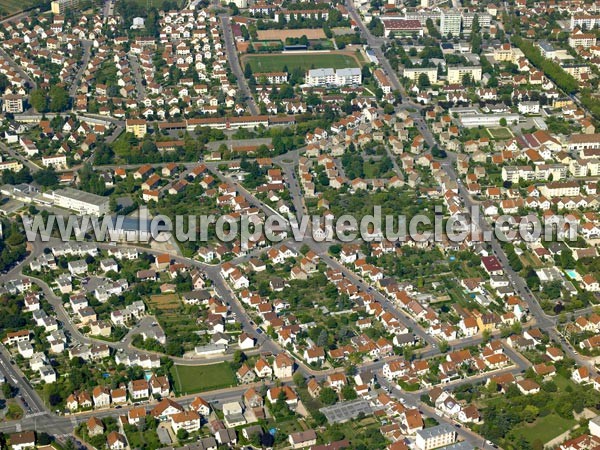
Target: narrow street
<point x="87" y="51"/>
<point x="139" y="83"/>
<point x="234" y="62"/>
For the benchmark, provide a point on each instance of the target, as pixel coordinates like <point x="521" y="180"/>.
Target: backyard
<point x="192" y="379"/>
<point x="545" y="428"/>
<point x="500" y="134"/>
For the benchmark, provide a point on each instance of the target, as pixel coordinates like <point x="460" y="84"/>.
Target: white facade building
<point x="330" y="77"/>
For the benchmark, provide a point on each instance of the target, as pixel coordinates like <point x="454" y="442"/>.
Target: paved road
<point x="234" y="63"/>
<point x="18" y="68"/>
<point x="375" y="43"/>
<point x="25" y="161"/>
<point x="87" y="52"/>
<point x="137" y="74"/>
<point x="13" y="374"/>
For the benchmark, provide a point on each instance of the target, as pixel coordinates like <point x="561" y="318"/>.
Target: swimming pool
<point x="572" y="274"/>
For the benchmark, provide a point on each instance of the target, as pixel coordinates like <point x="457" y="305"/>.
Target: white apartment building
<point x="585" y="40"/>
<point x="330" y="77"/>
<point x="561" y="189"/>
<point x="413" y="73"/>
<point x="578" y="142"/>
<point x="434" y="437"/>
<point x="516" y="173"/>
<point x="586" y="21"/>
<point x="56" y="161"/>
<point x="450" y="23"/>
<point x="456" y="73"/>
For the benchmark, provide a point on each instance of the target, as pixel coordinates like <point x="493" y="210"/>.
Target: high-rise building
<point x="450" y="23"/>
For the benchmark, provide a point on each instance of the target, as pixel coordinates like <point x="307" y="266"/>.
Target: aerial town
<point x="121" y="116"/>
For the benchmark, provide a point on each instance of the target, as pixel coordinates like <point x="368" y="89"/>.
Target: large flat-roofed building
<point x="330" y="77"/>
<point x="401" y="27"/>
<point x="80" y="201"/>
<point x="450" y="23"/>
<point x="457" y="73"/>
<point x="473" y="117"/>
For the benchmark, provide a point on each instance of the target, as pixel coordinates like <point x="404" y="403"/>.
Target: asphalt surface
<point x="234" y="63"/>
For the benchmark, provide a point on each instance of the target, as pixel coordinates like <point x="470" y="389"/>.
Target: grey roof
<point x="81" y="196"/>
<point x="464" y="445"/>
<point x="321" y="72"/>
<point x="435" y="431"/>
<point x="348" y="72"/>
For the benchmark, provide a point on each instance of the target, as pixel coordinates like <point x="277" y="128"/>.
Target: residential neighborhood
<point x="346" y="225"/>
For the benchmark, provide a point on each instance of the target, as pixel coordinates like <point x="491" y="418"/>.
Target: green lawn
<point x="276" y="63"/>
<point x="500" y="133"/>
<point x="545" y="428"/>
<point x="192" y="379"/>
<point x="12" y="6"/>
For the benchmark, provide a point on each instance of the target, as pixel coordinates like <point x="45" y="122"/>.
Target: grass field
<point x="192" y="379"/>
<point x="500" y="133"/>
<point x="546" y="428"/>
<point x="12" y="6"/>
<point x="304" y="61"/>
<point x="164" y="302"/>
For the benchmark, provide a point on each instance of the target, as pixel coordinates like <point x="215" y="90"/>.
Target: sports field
<point x="192" y="379"/>
<point x="282" y="35"/>
<point x="304" y="61"/>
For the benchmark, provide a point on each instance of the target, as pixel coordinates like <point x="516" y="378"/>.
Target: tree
<point x="328" y="396"/>
<point x="443" y="346"/>
<point x="9" y="390"/>
<point x="38" y="100"/>
<point x="467" y="80"/>
<point x="299" y="380"/>
<point x="348" y="393"/>
<point x="248" y="70"/>
<point x="486" y="335"/>
<point x="238" y="357"/>
<point x="376" y="27"/>
<point x="44" y="438"/>
<point x="46" y="177"/>
<point x="437" y="152"/>
<point x="503" y="122"/>
<point x="59" y="98"/>
<point x="182" y="434"/>
<point x="566" y="259"/>
<point x="424" y="80"/>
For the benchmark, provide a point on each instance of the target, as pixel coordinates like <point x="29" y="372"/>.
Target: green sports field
<point x="304" y="61"/>
<point x="192" y="379"/>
